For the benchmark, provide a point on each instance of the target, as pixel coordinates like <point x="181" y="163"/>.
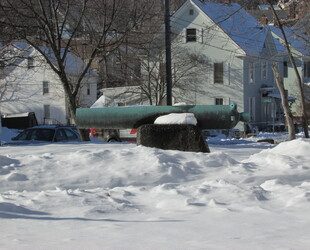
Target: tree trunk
<point x="285" y="105"/>
<point x="84" y="133"/>
<point x="299" y="81"/>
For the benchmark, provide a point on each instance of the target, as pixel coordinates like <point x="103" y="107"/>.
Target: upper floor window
<point x="264" y="70"/>
<point x="306" y="69"/>
<point x="191" y="35"/>
<point x="191" y="12"/>
<point x="30" y="62"/>
<point x="251" y="72"/>
<point x="285" y="69"/>
<point x="45" y="87"/>
<point x="219" y="73"/>
<point x="219" y="101"/>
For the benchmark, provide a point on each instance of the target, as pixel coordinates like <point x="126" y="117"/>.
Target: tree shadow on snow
<point x="12" y="211"/>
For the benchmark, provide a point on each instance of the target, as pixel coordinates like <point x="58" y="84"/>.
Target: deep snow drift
<point x="242" y="195"/>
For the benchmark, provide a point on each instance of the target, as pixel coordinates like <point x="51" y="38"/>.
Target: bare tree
<point x="285" y="105"/>
<point x="54" y="27"/>
<point x="299" y="81"/>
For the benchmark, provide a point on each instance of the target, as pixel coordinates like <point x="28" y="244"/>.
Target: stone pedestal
<point x="173" y="137"/>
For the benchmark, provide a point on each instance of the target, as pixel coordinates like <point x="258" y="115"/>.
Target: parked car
<point x="114" y="135"/>
<point x="41" y="134"/>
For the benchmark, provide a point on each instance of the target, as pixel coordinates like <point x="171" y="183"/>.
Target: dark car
<point x="47" y="134"/>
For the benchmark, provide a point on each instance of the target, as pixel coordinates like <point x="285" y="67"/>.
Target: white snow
<point x="242" y="195"/>
<point x="177" y="118"/>
<point x="100" y="103"/>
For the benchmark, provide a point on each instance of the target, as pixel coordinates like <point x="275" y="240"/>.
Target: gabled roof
<point x="297" y="40"/>
<point x="238" y="24"/>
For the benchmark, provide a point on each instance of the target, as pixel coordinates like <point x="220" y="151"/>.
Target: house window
<point x="45" y="87"/>
<point x="47" y="112"/>
<point x="88" y="89"/>
<point x="251" y="72"/>
<point x="30" y="62"/>
<point x="285" y="69"/>
<point x="219" y="73"/>
<point x="219" y="101"/>
<point x="191" y="12"/>
<point x="252" y="108"/>
<point x="264" y="70"/>
<point x="306" y="69"/>
<point x="191" y="35"/>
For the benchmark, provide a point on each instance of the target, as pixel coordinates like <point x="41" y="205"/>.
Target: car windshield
<point x="36" y="134"/>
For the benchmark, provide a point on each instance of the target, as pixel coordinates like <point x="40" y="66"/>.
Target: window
<point x="191" y="12"/>
<point x="252" y="108"/>
<point x="264" y="70"/>
<point x="191" y="35"/>
<point x="219" y="73"/>
<point x="88" y="89"/>
<point x="219" y="101"/>
<point x="60" y="135"/>
<point x="285" y="69"/>
<point x="70" y="135"/>
<point x="306" y="69"/>
<point x="47" y="112"/>
<point x="45" y="87"/>
<point x="251" y="72"/>
<point x="30" y="62"/>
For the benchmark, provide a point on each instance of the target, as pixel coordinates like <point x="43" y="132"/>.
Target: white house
<point x="28" y="84"/>
<point x="240" y="52"/>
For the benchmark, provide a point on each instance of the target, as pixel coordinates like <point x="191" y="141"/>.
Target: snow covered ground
<point x="242" y="195"/>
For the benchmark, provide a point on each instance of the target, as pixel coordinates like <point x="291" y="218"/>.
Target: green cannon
<point x="126" y="117"/>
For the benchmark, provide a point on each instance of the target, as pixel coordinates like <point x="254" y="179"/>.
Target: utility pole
<point x="168" y="52"/>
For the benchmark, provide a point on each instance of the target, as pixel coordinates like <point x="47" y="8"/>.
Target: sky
<point x="97" y="195"/>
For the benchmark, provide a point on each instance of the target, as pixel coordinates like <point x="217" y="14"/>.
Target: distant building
<point x="28" y="84"/>
<point x="240" y="52"/>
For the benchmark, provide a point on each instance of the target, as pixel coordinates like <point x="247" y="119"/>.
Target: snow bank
<point x="6" y="134"/>
<point x="123" y="196"/>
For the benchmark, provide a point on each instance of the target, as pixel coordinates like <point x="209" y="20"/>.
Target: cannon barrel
<point x="126" y="117"/>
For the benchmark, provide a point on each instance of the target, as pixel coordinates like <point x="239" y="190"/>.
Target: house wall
<point x="218" y="47"/>
<point x="25" y="92"/>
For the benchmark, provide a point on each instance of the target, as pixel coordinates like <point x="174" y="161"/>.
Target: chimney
<point x="263" y="20"/>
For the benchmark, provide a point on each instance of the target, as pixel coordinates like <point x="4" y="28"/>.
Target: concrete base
<point x="174" y="137"/>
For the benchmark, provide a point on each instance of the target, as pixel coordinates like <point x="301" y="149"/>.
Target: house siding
<point x="25" y="93"/>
